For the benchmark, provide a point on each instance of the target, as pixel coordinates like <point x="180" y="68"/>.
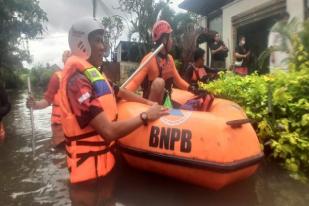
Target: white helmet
<point x="78" y="36"/>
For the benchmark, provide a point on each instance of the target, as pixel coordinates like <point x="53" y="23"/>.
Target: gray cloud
<point x="61" y="15"/>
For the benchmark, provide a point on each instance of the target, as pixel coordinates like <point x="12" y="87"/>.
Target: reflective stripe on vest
<point x="88" y="156"/>
<point x="56" y="111"/>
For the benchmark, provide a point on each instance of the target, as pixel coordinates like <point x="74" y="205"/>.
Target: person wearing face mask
<point x="242" y="57"/>
<point x="160" y="74"/>
<point x="89" y="109"/>
<point x="51" y="97"/>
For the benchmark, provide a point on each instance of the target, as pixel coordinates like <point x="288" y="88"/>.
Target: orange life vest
<point x="56" y="111"/>
<point x="157" y="67"/>
<point x="198" y="74"/>
<point x="88" y="155"/>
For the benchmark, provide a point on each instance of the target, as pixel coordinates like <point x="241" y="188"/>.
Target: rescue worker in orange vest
<point x="196" y="71"/>
<point x="51" y="96"/>
<point x="5" y="108"/>
<point x="160" y="74"/>
<point x="88" y="105"/>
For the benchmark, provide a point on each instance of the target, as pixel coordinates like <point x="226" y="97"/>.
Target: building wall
<point x="119" y="52"/>
<point x="294" y="7"/>
<point x="126" y="69"/>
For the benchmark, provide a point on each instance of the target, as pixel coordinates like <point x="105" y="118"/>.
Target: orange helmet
<point x="159" y="28"/>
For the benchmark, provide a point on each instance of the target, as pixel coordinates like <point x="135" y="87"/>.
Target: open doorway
<point x="257" y="38"/>
<point x="255" y="24"/>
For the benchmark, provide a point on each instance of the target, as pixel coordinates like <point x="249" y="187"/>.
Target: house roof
<point x="203" y="7"/>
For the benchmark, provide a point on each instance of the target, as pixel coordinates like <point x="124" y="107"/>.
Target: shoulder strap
<point x="159" y="67"/>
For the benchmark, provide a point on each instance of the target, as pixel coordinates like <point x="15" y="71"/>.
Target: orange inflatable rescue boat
<point x="211" y="149"/>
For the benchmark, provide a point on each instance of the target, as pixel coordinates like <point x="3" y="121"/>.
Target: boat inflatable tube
<point x="210" y="149"/>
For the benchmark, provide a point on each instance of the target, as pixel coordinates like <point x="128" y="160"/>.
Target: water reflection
<point x="44" y="179"/>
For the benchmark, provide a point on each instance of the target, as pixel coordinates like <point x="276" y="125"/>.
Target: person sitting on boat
<point x="88" y="105"/>
<point x="51" y="96"/>
<point x="5" y="108"/>
<point x="159" y="75"/>
<point x="196" y="72"/>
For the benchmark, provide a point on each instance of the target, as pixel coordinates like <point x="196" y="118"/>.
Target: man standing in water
<point x="89" y="109"/>
<point x="51" y="96"/>
<point x="5" y="107"/>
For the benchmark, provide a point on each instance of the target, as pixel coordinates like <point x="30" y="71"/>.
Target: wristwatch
<point x="144" y="118"/>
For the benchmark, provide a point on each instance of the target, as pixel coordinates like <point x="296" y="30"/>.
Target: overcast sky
<point x="61" y="14"/>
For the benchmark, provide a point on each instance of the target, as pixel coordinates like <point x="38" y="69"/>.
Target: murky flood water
<point x="43" y="180"/>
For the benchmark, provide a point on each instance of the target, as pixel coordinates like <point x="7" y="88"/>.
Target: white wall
<point x="119" y="52"/>
<point x="294" y="7"/>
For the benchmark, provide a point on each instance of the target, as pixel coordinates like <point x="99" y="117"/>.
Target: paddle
<point x="141" y="66"/>
<point x="31" y="119"/>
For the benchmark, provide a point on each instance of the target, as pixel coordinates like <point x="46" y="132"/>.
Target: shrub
<point x="279" y="104"/>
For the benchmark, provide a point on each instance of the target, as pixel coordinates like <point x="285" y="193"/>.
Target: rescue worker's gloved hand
<point x="194" y="89"/>
<point x="199" y="92"/>
<point x="206" y="79"/>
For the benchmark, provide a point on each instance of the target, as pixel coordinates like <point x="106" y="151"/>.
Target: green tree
<point x="19" y="22"/>
<point x="142" y="17"/>
<point x="144" y="14"/>
<point x="114" y="28"/>
<point x="40" y="75"/>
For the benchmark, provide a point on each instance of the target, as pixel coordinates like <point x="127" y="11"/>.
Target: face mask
<point x="243" y="42"/>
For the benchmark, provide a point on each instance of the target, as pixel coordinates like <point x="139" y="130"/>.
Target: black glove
<point x="193" y="88"/>
<point x="206" y="79"/>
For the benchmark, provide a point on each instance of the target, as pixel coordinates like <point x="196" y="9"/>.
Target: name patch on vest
<point x="98" y="81"/>
<point x="165" y="138"/>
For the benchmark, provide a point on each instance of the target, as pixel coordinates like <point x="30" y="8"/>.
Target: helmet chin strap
<point x="165" y="48"/>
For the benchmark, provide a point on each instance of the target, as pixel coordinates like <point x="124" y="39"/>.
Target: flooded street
<point x="43" y="179"/>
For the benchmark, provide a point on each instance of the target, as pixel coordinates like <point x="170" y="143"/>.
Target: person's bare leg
<point x="157" y="90"/>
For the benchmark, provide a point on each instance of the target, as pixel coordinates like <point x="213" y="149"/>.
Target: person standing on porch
<point x="218" y="52"/>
